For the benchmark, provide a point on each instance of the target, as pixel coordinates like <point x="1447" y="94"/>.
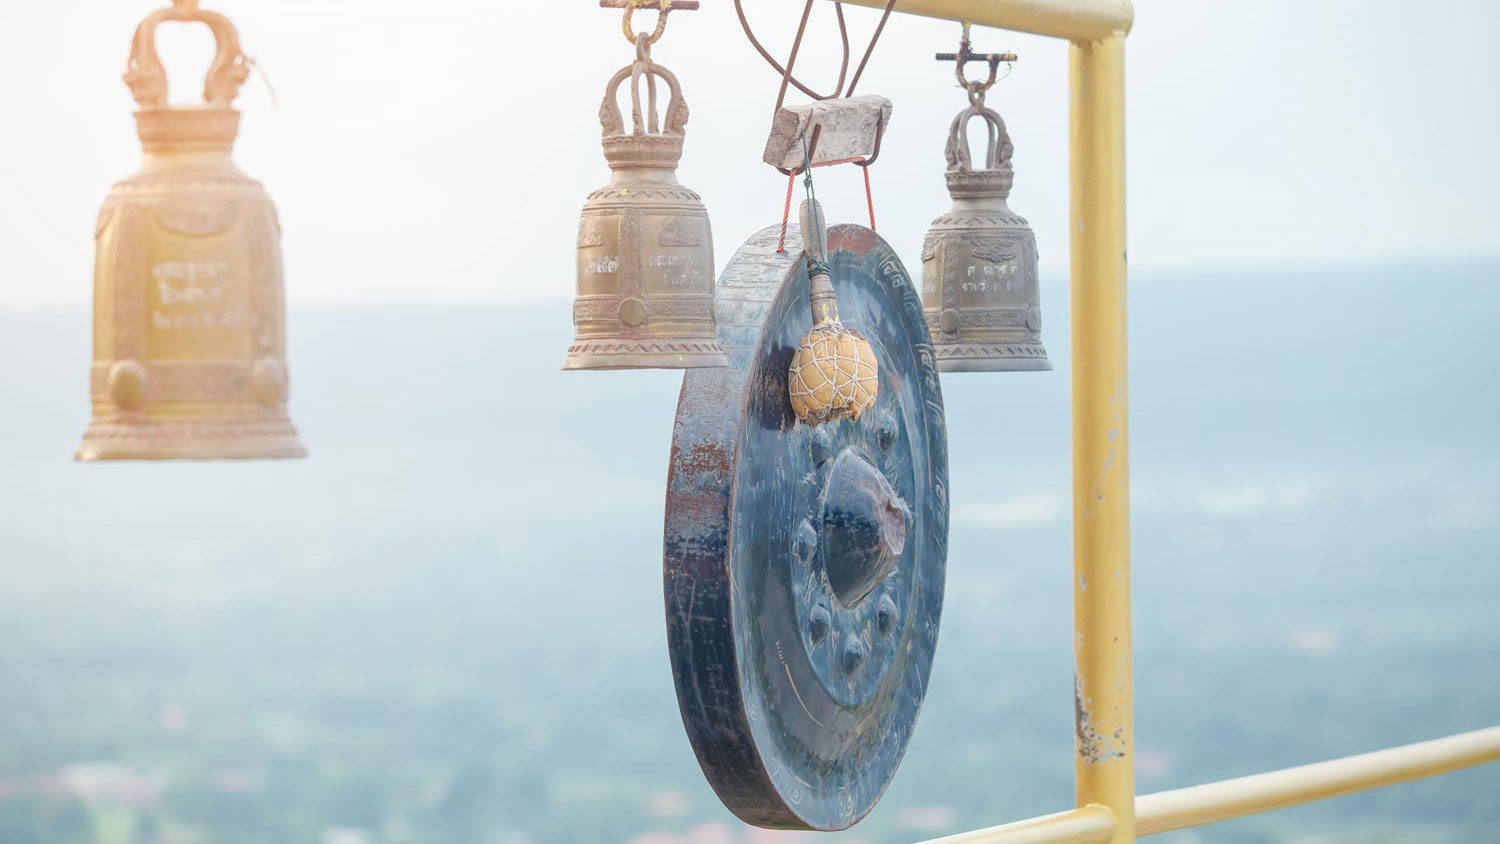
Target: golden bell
<point x="979" y="261"/>
<point x="645" y="250"/>
<point x="189" y="317"/>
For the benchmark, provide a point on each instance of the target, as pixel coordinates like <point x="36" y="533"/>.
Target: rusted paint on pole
<point x="1105" y="743"/>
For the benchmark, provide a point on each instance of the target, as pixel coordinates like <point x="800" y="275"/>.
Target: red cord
<point x="869" y="197"/>
<point x="786" y="212"/>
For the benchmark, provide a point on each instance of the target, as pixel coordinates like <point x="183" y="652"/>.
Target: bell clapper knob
<point x="268" y="382"/>
<point x="854" y="653"/>
<point x="127" y="384"/>
<point x="819" y="621"/>
<point x="950" y="321"/>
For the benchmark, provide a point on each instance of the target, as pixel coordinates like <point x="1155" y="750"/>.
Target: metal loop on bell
<point x="663" y="7"/>
<point x="644" y="67"/>
<point x="964" y="81"/>
<point x="976" y="94"/>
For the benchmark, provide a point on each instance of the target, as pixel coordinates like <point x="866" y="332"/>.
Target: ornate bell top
<point x="997" y="177"/>
<point x="994" y="181"/>
<point x="210" y="126"/>
<point x="650" y="149"/>
<point x="650" y="141"/>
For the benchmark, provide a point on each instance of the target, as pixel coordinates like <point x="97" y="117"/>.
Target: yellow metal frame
<point x="1108" y="810"/>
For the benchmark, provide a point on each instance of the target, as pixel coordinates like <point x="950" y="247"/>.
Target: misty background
<point x="446" y="624"/>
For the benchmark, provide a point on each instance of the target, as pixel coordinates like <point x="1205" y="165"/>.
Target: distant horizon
<point x="1453" y="265"/>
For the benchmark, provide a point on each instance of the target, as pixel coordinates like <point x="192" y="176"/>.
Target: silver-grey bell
<point x="979" y="261"/>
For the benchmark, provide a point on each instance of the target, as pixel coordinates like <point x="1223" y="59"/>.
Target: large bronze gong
<point x="804" y="565"/>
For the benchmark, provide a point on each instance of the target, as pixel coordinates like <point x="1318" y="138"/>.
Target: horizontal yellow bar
<point x="1202" y="804"/>
<point x="1220" y="801"/>
<point x="1089" y="825"/>
<point x="1075" y="20"/>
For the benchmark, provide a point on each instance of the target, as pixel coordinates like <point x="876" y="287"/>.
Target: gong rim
<point x="746" y="595"/>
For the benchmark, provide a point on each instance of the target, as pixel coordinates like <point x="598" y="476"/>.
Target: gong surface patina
<point x="804" y="565"/>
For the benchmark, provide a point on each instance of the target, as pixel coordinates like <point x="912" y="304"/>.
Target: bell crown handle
<point x="148" y="79"/>
<point x="644" y="120"/>
<point x="998" y="149"/>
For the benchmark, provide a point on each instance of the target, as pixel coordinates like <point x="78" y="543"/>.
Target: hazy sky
<point x="441" y="151"/>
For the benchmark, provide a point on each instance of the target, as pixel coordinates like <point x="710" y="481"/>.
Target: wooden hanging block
<point x="846" y="129"/>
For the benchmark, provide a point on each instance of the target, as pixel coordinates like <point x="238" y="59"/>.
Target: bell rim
<point x="993" y="363"/>
<point x="597" y="361"/>
<point x="221" y="439"/>
<point x="95" y="453"/>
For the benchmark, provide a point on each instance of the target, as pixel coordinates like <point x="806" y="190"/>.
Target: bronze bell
<point x="645" y="250"/>
<point x="189" y="317"/>
<point x="979" y="261"/>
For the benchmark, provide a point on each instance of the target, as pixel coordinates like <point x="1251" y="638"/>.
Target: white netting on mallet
<point x="833" y="375"/>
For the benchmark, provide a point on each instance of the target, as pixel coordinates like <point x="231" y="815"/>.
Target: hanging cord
<point x="663" y="7"/>
<point x="265" y="78"/>
<point x="966" y="54"/>
<point x="788" y="79"/>
<point x="786" y="211"/>
<point x="781" y="71"/>
<point x="807" y="184"/>
<point x="879" y="28"/>
<point x="869" y="198"/>
<point x="786" y="75"/>
<point x="786" y="72"/>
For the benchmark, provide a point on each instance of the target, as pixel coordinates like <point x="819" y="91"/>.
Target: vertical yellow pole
<point x="1105" y="744"/>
